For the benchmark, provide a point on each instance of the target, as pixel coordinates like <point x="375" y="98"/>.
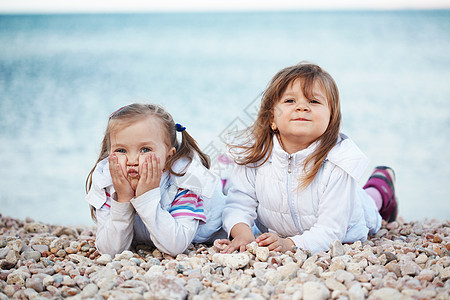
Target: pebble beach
<point x="404" y="260"/>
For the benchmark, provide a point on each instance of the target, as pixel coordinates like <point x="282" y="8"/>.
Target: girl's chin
<point x="133" y="182"/>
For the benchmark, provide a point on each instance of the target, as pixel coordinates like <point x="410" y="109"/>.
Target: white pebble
<point x="315" y="291"/>
<point x="262" y="253"/>
<point x="104" y="259"/>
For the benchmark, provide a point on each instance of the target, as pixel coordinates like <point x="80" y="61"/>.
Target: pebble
<point x="104" y="259"/>
<point x="234" y="261"/>
<point x="315" y="291"/>
<point x="15" y="245"/>
<point x="35" y="283"/>
<point x="40" y="248"/>
<point x="262" y="253"/>
<point x="385" y="293"/>
<point x="124" y="255"/>
<point x="89" y="291"/>
<point x="3" y="252"/>
<point x="336" y="249"/>
<point x="402" y="261"/>
<point x="273" y="276"/>
<point x="36" y="228"/>
<point x="445" y="274"/>
<point x="34" y="255"/>
<point x="288" y="271"/>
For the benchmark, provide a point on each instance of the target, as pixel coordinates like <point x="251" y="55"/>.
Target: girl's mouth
<point x="133" y="173"/>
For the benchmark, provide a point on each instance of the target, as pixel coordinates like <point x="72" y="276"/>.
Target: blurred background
<point x="64" y="70"/>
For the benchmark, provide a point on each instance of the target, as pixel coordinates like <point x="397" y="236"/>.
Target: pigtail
<point x="186" y="149"/>
<point x="188" y="144"/>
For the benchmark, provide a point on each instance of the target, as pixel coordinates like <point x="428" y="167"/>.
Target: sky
<point x="86" y="6"/>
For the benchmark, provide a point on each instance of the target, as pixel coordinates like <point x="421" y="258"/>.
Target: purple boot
<point x="383" y="179"/>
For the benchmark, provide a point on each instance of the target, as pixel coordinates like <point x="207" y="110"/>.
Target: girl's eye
<point x="120" y="151"/>
<point x="289" y="101"/>
<point x="146" y="150"/>
<point x="313" y="101"/>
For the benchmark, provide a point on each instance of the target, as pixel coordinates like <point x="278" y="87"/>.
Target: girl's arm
<point x="170" y="234"/>
<point x="114" y="220"/>
<point x="114" y="227"/>
<point x="334" y="213"/>
<point x="240" y="208"/>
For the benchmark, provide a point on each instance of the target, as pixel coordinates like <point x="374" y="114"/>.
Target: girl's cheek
<point x="122" y="160"/>
<point x="142" y="158"/>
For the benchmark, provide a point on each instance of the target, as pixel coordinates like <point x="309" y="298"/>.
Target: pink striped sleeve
<point x="107" y="204"/>
<point x="187" y="205"/>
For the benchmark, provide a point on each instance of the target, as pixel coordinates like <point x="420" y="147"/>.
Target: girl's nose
<point x="132" y="159"/>
<point x="302" y="106"/>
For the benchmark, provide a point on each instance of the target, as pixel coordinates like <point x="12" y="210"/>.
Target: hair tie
<point x="180" y="128"/>
<point x="116" y="112"/>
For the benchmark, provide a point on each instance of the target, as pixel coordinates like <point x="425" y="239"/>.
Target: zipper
<point x="290" y="164"/>
<point x="294" y="212"/>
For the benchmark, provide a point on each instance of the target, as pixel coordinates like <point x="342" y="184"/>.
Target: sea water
<point x="62" y="75"/>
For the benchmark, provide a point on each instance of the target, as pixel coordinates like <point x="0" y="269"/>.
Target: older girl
<point x="297" y="174"/>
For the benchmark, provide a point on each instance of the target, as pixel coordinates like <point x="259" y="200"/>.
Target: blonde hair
<point x="134" y="112"/>
<point x="259" y="150"/>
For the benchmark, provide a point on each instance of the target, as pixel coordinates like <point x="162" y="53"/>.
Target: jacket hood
<point x="348" y="157"/>
<point x="197" y="178"/>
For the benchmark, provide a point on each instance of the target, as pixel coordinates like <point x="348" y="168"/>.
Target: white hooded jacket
<point x="146" y="219"/>
<point x="332" y="207"/>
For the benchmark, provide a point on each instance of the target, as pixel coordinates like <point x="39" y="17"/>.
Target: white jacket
<point x="332" y="207"/>
<point x="146" y="220"/>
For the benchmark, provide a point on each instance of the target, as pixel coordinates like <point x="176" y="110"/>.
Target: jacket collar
<point x="344" y="154"/>
<point x="282" y="157"/>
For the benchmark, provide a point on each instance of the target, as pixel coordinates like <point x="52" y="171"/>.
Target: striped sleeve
<point x="107" y="204"/>
<point x="187" y="204"/>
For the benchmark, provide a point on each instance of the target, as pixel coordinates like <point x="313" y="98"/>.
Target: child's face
<point x="301" y="121"/>
<point x="133" y="143"/>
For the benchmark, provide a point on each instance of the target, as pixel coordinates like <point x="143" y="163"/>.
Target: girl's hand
<point x="150" y="175"/>
<point x="274" y="242"/>
<point x="242" y="235"/>
<point x="220" y="244"/>
<point x="238" y="243"/>
<point x="123" y="188"/>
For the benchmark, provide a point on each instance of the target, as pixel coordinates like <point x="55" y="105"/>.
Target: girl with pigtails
<point x="147" y="188"/>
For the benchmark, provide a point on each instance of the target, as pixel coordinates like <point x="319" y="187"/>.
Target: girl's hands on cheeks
<point x="274" y="242"/>
<point x="150" y="177"/>
<point x="123" y="188"/>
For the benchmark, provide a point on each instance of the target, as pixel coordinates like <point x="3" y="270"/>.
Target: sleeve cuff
<point x="298" y="241"/>
<point x="121" y="210"/>
<point x="146" y="197"/>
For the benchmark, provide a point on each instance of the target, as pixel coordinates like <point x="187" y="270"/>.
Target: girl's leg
<point x="376" y="196"/>
<point x="381" y="185"/>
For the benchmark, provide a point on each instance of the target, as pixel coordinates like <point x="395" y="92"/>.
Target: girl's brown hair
<point x="259" y="150"/>
<point x="134" y="112"/>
